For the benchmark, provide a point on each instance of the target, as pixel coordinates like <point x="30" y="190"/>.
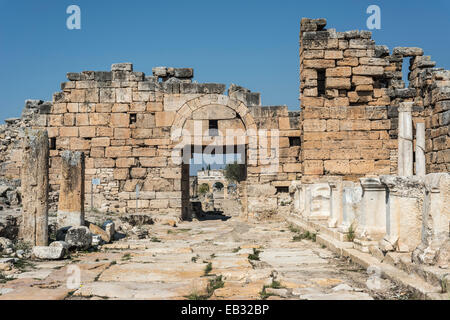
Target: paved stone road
<point x="173" y="264"/>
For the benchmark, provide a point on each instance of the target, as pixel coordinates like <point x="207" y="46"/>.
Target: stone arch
<point x="186" y="111"/>
<point x="189" y="107"/>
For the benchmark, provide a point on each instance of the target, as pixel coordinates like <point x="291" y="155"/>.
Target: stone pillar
<point x="34" y="185"/>
<point x="71" y="191"/>
<point x="184" y="182"/>
<point x="335" y="204"/>
<point x="420" y="149"/>
<point x="242" y="193"/>
<point x="404" y="212"/>
<point x="307" y="201"/>
<point x="434" y="247"/>
<point x="372" y="220"/>
<point x="405" y="139"/>
<point x="295" y="189"/>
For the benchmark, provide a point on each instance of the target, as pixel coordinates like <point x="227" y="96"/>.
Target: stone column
<point x="335" y="204"/>
<point x="420" y="149"/>
<point x="183" y="181"/>
<point x="295" y="189"/>
<point x="435" y="221"/>
<point x="242" y="192"/>
<point x="405" y="139"/>
<point x="372" y="222"/>
<point x="71" y="190"/>
<point x="34" y="185"/>
<point x="404" y="212"/>
<point x="307" y="199"/>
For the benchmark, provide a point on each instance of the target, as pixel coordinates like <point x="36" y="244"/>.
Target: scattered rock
<point x="342" y="287"/>
<point x="9" y="228"/>
<point x="402" y="248"/>
<point x="61" y="233"/>
<point x="3" y="190"/>
<point x="60" y="244"/>
<point x="5" y="291"/>
<point x="13" y="198"/>
<point x="79" y="237"/>
<point x="376" y="252"/>
<point x="20" y="254"/>
<point x="278" y="292"/>
<point x="96" y="240"/>
<point x="392" y="258"/>
<point x="407" y="51"/>
<point x="6" y="264"/>
<point x="110" y="229"/>
<point x="139" y="232"/>
<point x="5" y="244"/>
<point x="137" y="219"/>
<point x="171" y="223"/>
<point x="48" y="253"/>
<point x="96" y="230"/>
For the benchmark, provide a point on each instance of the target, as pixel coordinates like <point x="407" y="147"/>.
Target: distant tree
<point x="235" y="172"/>
<point x="203" y="188"/>
<point x="218" y="185"/>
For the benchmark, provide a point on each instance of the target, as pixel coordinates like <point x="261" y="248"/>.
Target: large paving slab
<point x="188" y="257"/>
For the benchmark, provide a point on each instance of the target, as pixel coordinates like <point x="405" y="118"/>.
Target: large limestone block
<point x="258" y="206"/>
<point x="79" y="237"/>
<point x="436" y="216"/>
<point x="96" y="230"/>
<point x="407" y="51"/>
<point x="261" y="190"/>
<point x="404" y="211"/>
<point x="48" y="253"/>
<point x="372" y="219"/>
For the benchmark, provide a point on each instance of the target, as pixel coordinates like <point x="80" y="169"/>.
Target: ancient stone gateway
<point x="212" y="124"/>
<point x="137" y="131"/>
<point x="343" y="171"/>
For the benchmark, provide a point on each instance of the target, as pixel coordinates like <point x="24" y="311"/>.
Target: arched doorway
<point x="211" y="125"/>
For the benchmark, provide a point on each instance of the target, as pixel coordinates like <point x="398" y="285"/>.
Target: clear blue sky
<point x="247" y="42"/>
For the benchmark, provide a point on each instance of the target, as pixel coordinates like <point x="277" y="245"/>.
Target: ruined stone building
<point x="132" y="126"/>
<point x="211" y="178"/>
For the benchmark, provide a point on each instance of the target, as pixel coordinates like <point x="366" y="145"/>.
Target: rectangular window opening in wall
<point x="133" y="118"/>
<point x="294" y="141"/>
<point x="53" y="143"/>
<point x="213" y="127"/>
<point x="405" y="71"/>
<point x="282" y="189"/>
<point x="320" y="82"/>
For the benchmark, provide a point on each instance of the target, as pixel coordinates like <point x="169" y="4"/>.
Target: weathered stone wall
<point x="11" y="133"/>
<point x="432" y="94"/>
<point x="350" y="93"/>
<point x="347" y="126"/>
<point x="130" y="126"/>
<point x="126" y="125"/>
